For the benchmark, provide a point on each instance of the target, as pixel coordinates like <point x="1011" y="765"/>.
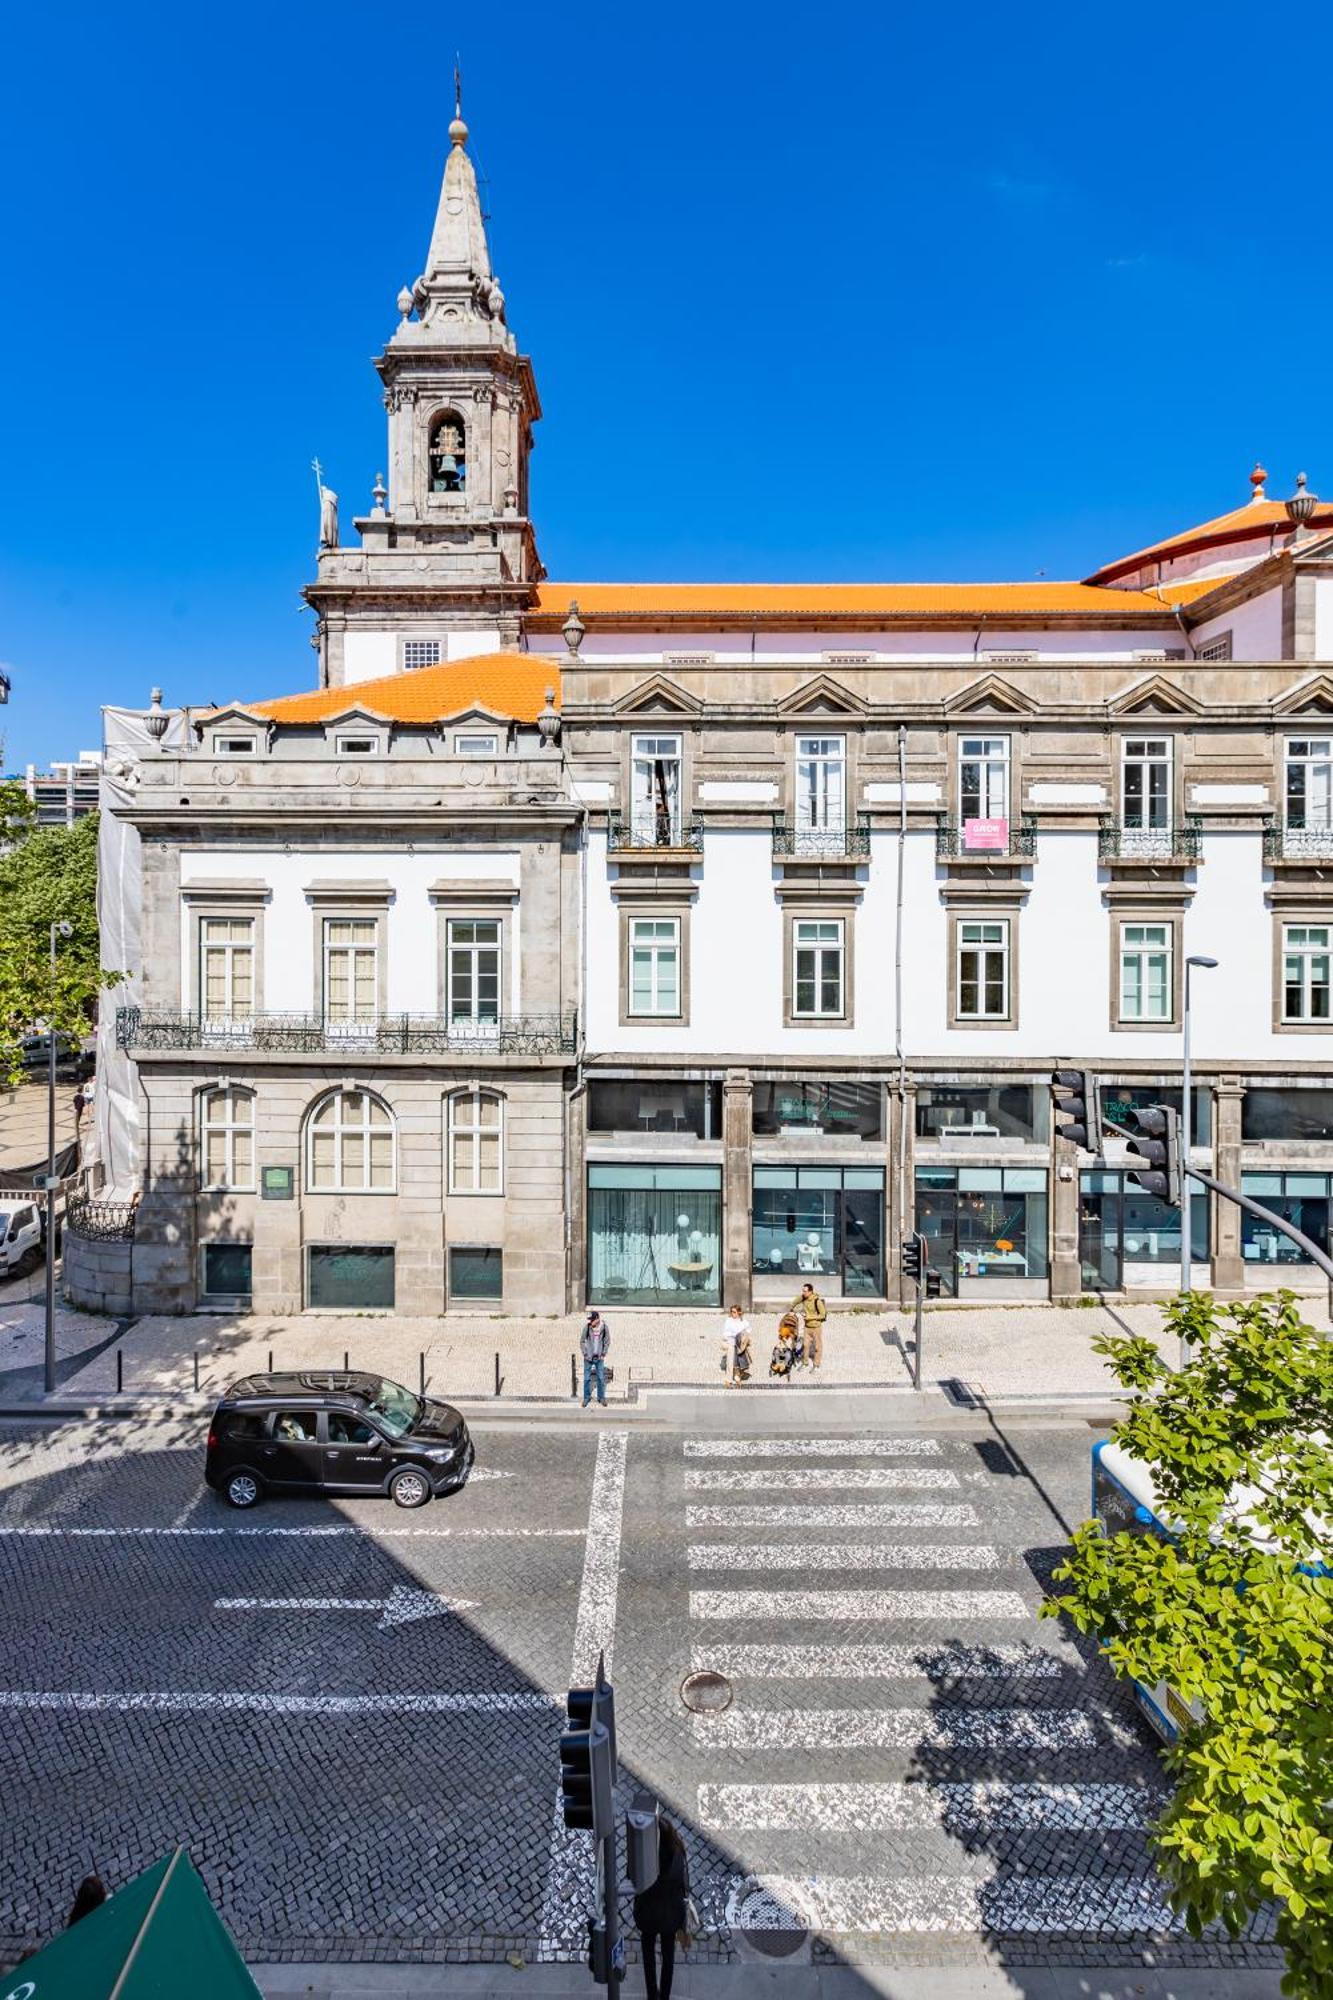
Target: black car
<point x="332" y="1430"/>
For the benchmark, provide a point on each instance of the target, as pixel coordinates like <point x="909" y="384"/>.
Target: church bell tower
<point x="447" y="561"/>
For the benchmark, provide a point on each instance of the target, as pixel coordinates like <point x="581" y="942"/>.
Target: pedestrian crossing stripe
<point x="824" y="1478"/>
<point x="897" y="1729"/>
<point x="845" y="1555"/>
<point x="987" y="1807"/>
<point x="865" y="1514"/>
<point x="869" y="1662"/>
<point x="873" y="1447"/>
<point x="1032" y="1905"/>
<point x="857" y="1605"/>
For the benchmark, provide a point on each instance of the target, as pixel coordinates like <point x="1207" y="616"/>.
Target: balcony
<point x="986" y="840"/>
<point x="660" y="836"/>
<point x="1286" y="841"/>
<point x="1149" y="846"/>
<point x="821" y="843"/>
<point x="142" y="1029"/>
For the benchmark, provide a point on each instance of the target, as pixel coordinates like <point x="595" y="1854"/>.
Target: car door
<point x="354" y="1456"/>
<point x="293" y="1455"/>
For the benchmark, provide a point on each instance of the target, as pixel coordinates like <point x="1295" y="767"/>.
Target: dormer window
<point x="476" y="744"/>
<point x="448" y="454"/>
<point x="228" y="745"/>
<point x="356" y="746"/>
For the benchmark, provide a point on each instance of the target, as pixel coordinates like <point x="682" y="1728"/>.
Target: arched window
<point x="350" y="1144"/>
<point x="476" y="1135"/>
<point x="229" y="1137"/>
<point x="448" y="453"/>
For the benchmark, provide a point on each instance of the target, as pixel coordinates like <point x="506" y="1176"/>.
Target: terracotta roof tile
<point x="512" y="685"/>
<point x="1256" y="517"/>
<point x="892" y="601"/>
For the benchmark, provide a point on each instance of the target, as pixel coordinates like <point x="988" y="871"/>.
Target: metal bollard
<point x="347" y="1366"/>
<point x="497" y="1371"/>
<point x="120" y="1371"/>
<point x="196" y="1371"/>
<point x="641" y="1841"/>
<point x="270" y="1361"/>
<point x="574" y="1376"/>
<point x="422" y="1369"/>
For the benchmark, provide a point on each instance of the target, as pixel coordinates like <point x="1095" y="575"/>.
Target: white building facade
<point x="666" y="944"/>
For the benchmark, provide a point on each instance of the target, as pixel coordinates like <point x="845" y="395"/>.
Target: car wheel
<point x="409" y="1488"/>
<point x="243" y="1490"/>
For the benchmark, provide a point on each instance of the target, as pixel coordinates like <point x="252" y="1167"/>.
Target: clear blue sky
<point x="840" y="292"/>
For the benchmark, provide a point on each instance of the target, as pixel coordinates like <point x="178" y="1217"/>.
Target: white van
<point x="20" y="1235"/>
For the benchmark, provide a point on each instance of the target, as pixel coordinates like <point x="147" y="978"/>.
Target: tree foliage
<point x="1233" y="1611"/>
<point x="46" y="875"/>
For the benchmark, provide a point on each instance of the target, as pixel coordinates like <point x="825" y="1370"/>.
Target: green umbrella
<point x="154" y="1938"/>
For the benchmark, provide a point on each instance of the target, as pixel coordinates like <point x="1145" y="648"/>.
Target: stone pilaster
<point x="576" y="1230"/>
<point x="1066" y="1270"/>
<point x="899" y="1187"/>
<point x="1224" y="1216"/>
<point x="737" y="1110"/>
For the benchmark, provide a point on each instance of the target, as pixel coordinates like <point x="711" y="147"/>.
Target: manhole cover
<point x="706" y="1693"/>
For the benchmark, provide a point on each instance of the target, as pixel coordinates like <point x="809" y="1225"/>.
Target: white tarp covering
<point x="125" y="742"/>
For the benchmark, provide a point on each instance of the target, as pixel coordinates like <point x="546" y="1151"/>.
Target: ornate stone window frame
<point x="223" y="898"/>
<point x="1297" y="905"/>
<point x="1141" y="903"/>
<point x="474" y="902"/>
<point x="819" y="909"/>
<point x="347" y="901"/>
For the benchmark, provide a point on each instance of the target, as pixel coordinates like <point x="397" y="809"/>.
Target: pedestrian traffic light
<point x="1154" y="1143"/>
<point x="588" y="1758"/>
<point x="912" y="1258"/>
<point x="1078" y="1111"/>
<point x="599" y="1951"/>
<point x="934" y="1283"/>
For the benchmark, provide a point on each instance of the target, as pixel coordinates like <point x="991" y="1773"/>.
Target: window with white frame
<point x="229" y="1138"/>
<point x="1145" y="784"/>
<point x="421" y="653"/>
<point x="817" y="967"/>
<point x="351" y="968"/>
<point x="476" y="1124"/>
<point x="655" y="791"/>
<point x="1309" y="783"/>
<point x="350" y="1144"/>
<point x="1145" y="972"/>
<point x="983" y="970"/>
<point x="234" y="746"/>
<point x="821" y="788"/>
<point x="476" y="744"/>
<point x="983" y="777"/>
<point x="1305" y="972"/>
<point x="356" y="746"/>
<point x="226" y="968"/>
<point x="473" y="970"/>
<point x="654" y="965"/>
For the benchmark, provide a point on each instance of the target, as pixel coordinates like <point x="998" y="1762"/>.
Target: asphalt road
<point x="348" y="1714"/>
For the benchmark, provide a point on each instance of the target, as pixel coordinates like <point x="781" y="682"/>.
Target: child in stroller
<point x="789" y="1349"/>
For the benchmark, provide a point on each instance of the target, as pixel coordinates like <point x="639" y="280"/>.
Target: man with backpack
<point x="813" y="1313"/>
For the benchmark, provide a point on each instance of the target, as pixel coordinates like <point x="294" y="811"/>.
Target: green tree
<point x="47" y="874"/>
<point x="18" y="813"/>
<point x="1232" y="1611"/>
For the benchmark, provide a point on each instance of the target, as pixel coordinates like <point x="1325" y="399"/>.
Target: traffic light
<point x="1154" y="1140"/>
<point x="588" y="1759"/>
<point x="1078" y="1111"/>
<point x="934" y="1284"/>
<point x="912" y="1258"/>
<point x="599" y="1952"/>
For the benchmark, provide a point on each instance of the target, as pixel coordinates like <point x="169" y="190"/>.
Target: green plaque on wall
<point x="278" y="1183"/>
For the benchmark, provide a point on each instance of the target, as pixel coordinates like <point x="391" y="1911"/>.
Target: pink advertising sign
<point x="985" y="836"/>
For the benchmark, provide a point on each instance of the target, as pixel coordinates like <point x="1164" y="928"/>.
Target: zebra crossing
<point x="901" y="1757"/>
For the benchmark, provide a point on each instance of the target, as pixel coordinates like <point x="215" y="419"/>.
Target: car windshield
<point x="397" y="1408"/>
<point x="4" y="1221"/>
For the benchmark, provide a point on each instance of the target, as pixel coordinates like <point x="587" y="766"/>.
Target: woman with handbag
<point x="662" y="1910"/>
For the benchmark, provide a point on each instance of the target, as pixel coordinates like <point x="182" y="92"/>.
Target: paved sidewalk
<point x="995" y="1352"/>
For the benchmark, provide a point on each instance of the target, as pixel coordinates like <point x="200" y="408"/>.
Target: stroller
<point x="789" y="1349"/>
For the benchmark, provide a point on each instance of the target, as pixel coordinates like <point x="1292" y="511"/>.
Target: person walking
<point x="594" y="1345"/>
<point x="736" y="1335"/>
<point x="813" y="1313"/>
<point x="662" y="1909"/>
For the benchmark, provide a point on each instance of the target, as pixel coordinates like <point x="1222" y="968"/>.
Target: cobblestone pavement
<point x="911" y="1770"/>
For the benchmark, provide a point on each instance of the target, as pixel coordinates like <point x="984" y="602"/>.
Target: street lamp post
<point x="1187" y="1134"/>
<point x="61" y="928"/>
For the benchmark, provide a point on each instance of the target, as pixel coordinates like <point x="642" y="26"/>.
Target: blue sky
<point x="838" y="293"/>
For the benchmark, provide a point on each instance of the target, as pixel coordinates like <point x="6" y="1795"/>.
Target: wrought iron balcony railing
<point x="100" y="1221"/>
<point x="1001" y="840"/>
<point x="1118" y="842"/>
<point x="385" y="1035"/>
<point x="630" y="834"/>
<point x="792" y="841"/>
<point x="1284" y="841"/>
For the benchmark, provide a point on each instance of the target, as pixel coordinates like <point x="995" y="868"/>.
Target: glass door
<point x="1100" y="1234"/>
<point x="863" y="1239"/>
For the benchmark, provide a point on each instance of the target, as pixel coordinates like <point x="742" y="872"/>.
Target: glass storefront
<point x="794" y="1105"/>
<point x="985" y="1227"/>
<point x="655" y="1104"/>
<point x="998" y="1111"/>
<point x="654" y="1235"/>
<point x="351" y="1277"/>
<point x="825" y="1223"/>
<point x="1119" y="1098"/>
<point x="1301" y="1199"/>
<point x="1126" y="1237"/>
<point x="1286" y="1114"/>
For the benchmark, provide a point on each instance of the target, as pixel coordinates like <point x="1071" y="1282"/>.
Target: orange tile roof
<point x="813" y="601"/>
<point x="1256" y="517"/>
<point x="508" y="684"/>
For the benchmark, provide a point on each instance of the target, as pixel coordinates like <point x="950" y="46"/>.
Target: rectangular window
<point x="654" y="965"/>
<point x="227" y="1270"/>
<point x="981" y="1112"/>
<point x="356" y="746"/>
<point x="1305" y="972"/>
<point x="1119" y="1099"/>
<point x="824" y="1223"/>
<point x="817" y="985"/>
<point x="351" y="953"/>
<point x="351" y="1277"/>
<point x="1299" y="1198"/>
<point x="1125" y="1237"/>
<point x="475" y="1272"/>
<point x="235" y="746"/>
<point x="1145" y="972"/>
<point x="985" y="1227"/>
<point x="1309" y="784"/>
<point x="474" y="970"/>
<point x="475" y="1136"/>
<point x="655" y="1104"/>
<point x="226" y="968"/>
<point x="1145" y="784"/>
<point x="421" y="653"/>
<point x="983" y="778"/>
<point x="792" y="1105"/>
<point x="983" y="970"/>
<point x="654" y="1235"/>
<point x="821" y="791"/>
<point x="1287" y="1114"/>
<point x="1214" y="649"/>
<point x="655" y="791"/>
<point x="476" y="746"/>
